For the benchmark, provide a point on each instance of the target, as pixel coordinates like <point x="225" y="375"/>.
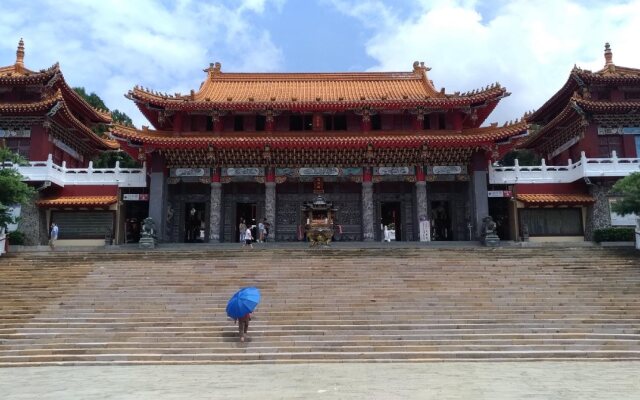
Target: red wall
<point x="578" y="187"/>
<point x="80" y="190"/>
<point x="40" y="146"/>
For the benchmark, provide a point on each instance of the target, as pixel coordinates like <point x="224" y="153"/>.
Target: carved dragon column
<point x="421" y="195"/>
<point x="270" y="201"/>
<point x="216" y="206"/>
<point x="367" y="205"/>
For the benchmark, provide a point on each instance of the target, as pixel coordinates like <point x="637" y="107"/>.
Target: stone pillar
<point x="421" y="197"/>
<point x="598" y="213"/>
<point x="367" y="206"/>
<point x="215" y="206"/>
<point x="33" y="223"/>
<point x="481" y="199"/>
<point x="270" y="201"/>
<point x="158" y="196"/>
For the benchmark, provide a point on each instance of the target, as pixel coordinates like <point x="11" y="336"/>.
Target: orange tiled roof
<point x="467" y="137"/>
<point x="55" y="104"/>
<point x="611" y="74"/>
<point x="78" y="201"/>
<point x="290" y="90"/>
<point x="43" y="105"/>
<point x="577" y="104"/>
<point x="18" y="74"/>
<point x="555" y="198"/>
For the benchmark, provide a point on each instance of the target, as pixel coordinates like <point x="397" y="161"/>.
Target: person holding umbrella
<point x="243" y="326"/>
<point x="240" y="307"/>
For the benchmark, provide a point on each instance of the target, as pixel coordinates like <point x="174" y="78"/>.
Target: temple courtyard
<point x="375" y="321"/>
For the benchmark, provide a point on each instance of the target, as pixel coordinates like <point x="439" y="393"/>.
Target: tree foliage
<point x="93" y="99"/>
<point x="629" y="188"/>
<point x="12" y="189"/>
<point x="525" y="158"/>
<point x="108" y="159"/>
<point x="122" y="118"/>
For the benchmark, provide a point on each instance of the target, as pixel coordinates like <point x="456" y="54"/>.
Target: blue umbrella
<point x="243" y="302"/>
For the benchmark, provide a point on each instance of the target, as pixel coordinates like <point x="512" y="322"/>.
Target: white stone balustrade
<point x="584" y="168"/>
<point x="40" y="171"/>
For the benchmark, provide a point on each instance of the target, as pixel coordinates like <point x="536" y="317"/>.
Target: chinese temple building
<point x="385" y="148"/>
<point x="588" y="134"/>
<point x="43" y="119"/>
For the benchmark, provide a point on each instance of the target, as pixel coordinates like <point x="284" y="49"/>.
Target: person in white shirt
<point x="248" y="239"/>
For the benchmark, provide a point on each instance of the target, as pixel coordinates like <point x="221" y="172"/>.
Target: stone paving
<point x="389" y="381"/>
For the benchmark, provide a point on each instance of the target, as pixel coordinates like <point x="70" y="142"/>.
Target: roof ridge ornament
<point x="20" y="56"/>
<point x="214" y="69"/>
<point x="420" y="68"/>
<point x="608" y="58"/>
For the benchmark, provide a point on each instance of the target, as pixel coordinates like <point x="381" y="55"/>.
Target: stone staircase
<point x="375" y="305"/>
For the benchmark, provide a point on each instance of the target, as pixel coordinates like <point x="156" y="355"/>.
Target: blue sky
<point x="109" y="46"/>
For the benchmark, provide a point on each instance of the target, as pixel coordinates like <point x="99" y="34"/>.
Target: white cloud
<point x="110" y="46"/>
<point x="529" y="47"/>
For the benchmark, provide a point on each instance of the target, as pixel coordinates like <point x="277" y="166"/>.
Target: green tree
<point x="120" y="117"/>
<point x="526" y="158"/>
<point x="108" y="159"/>
<point x="629" y="188"/>
<point x="13" y="189"/>
<point x="93" y="99"/>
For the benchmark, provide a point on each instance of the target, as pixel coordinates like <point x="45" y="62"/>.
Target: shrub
<point x="614" y="235"/>
<point x="16" y="238"/>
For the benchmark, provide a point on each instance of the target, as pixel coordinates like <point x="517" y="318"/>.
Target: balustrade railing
<point x="583" y="168"/>
<point x="60" y="175"/>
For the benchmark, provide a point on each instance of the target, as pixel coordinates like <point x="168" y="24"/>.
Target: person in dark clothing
<point x="243" y="326"/>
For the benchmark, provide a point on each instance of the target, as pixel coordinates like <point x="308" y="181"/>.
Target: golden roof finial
<point x="20" y="54"/>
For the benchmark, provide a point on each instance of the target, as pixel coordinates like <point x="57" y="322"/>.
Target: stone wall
<point x="33" y="223"/>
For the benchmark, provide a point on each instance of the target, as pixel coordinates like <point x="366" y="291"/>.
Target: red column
<point x="420" y="177"/>
<point x="270" y="124"/>
<point x="218" y="125"/>
<point x="457" y="120"/>
<point x="418" y="122"/>
<point x="365" y="124"/>
<point x="177" y="122"/>
<point x="318" y="122"/>
<point x="367" y="174"/>
<point x="215" y="174"/>
<point x="270" y="174"/>
<point x="39" y="145"/>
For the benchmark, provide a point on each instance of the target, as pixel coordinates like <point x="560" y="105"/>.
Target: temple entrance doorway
<point x="441" y="221"/>
<point x="194" y="224"/>
<point x="391" y="220"/>
<point x="135" y="213"/>
<point x="246" y="212"/>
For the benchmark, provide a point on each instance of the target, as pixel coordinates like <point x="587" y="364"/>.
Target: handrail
<point x="583" y="168"/>
<point x="63" y="176"/>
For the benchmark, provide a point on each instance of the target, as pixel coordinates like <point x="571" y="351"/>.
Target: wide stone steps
<point x="323" y="306"/>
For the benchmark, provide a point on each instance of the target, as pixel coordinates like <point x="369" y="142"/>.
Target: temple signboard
<point x="619" y="130"/>
<point x="329" y="171"/>
<point x="242" y="172"/>
<point x="393" y="171"/>
<point x="189" y="171"/>
<point x="447" y="169"/>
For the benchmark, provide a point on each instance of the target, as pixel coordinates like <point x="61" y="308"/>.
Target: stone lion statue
<point x="148" y="227"/>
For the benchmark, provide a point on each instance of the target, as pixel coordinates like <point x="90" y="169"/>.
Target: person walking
<point x="53" y="235"/>
<point x="260" y="232"/>
<point x="243" y="326"/>
<point x="242" y="227"/>
<point x="248" y="238"/>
